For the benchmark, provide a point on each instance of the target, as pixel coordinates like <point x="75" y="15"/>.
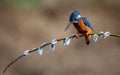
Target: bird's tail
<point x="87" y="39"/>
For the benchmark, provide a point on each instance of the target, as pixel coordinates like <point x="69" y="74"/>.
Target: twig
<point x="70" y="37"/>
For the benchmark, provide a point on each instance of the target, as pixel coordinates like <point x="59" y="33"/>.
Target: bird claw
<point x="76" y="35"/>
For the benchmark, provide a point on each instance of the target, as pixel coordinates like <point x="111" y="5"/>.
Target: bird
<point x="82" y="25"/>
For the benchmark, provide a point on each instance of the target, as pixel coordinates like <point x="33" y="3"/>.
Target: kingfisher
<point x="82" y="25"/>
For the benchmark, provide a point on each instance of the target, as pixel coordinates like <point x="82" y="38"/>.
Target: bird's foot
<point x="76" y="35"/>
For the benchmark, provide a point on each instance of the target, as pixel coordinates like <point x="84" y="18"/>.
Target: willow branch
<point x="70" y="37"/>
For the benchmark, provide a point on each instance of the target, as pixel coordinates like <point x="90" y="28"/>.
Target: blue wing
<point x="87" y="23"/>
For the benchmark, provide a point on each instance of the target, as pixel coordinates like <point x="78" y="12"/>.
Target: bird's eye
<point x="78" y="16"/>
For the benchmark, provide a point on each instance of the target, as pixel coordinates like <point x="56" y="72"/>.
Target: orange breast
<point x="82" y="28"/>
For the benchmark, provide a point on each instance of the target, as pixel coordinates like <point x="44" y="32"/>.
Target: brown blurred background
<point x="25" y="24"/>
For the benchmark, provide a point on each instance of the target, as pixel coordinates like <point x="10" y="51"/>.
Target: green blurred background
<point x="25" y="24"/>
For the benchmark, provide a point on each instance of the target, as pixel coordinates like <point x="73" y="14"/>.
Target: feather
<point x="87" y="23"/>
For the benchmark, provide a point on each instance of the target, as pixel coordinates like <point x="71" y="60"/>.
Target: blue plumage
<point x="86" y="21"/>
<point x="73" y="16"/>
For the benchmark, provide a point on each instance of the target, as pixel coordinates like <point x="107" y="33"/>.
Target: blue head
<point x="74" y="18"/>
<point x="75" y="15"/>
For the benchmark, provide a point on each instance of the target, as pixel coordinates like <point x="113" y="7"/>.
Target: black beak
<point x="68" y="25"/>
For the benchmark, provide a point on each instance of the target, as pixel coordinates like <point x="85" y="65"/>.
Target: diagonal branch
<point x="70" y="37"/>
